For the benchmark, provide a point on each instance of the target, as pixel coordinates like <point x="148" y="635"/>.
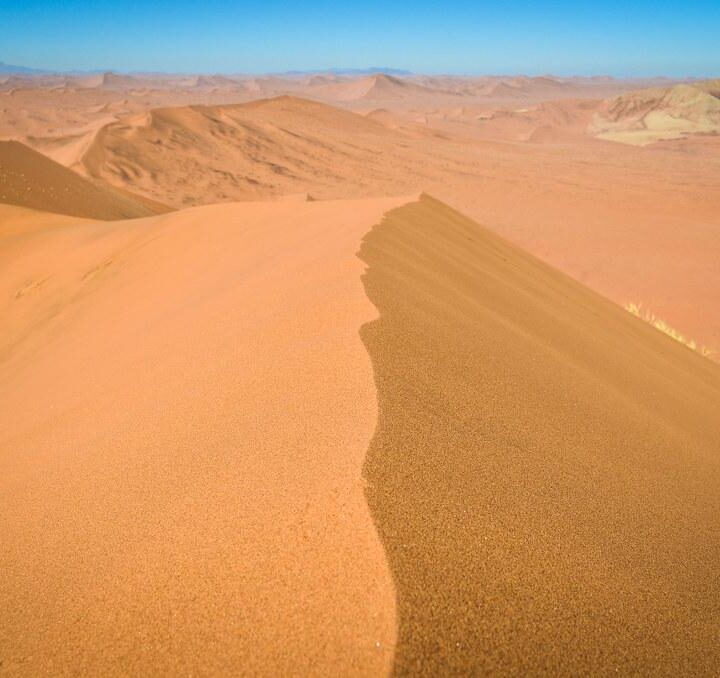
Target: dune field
<point x="636" y="223"/>
<point x="330" y="374"/>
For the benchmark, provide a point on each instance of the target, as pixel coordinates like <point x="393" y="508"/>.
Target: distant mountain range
<point x="19" y="70"/>
<point x="372" y="70"/>
<point x="11" y="69"/>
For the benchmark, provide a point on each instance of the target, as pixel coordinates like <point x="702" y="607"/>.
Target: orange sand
<point x="635" y="224"/>
<point x="186" y="404"/>
<point x="515" y="153"/>
<point x="545" y="474"/>
<point x="29" y="179"/>
<point x="185" y="407"/>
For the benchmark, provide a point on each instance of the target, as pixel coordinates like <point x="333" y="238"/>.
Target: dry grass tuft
<point x="649" y="317"/>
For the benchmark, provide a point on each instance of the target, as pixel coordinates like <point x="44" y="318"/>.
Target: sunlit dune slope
<point x="203" y="154"/>
<point x="29" y="179"/>
<point x="185" y="407"/>
<point x="545" y="473"/>
<point x="21" y="221"/>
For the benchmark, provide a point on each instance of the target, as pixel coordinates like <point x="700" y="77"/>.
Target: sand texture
<point x="545" y="473"/>
<point x="267" y="408"/>
<point x="185" y="408"/>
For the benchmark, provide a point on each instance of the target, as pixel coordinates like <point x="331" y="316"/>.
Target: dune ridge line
<point x="544" y="474"/>
<point x="186" y="400"/>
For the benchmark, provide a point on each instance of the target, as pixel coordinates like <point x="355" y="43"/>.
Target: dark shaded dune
<point x="545" y="473"/>
<point x="30" y="179"/>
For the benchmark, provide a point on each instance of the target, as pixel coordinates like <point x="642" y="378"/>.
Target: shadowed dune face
<point x="29" y="179"/>
<point x="545" y="473"/>
<point x="185" y="407"/>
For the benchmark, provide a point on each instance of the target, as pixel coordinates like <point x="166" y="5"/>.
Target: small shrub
<point x="649" y="317"/>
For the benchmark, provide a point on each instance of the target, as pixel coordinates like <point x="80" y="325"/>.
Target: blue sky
<point x="618" y="38"/>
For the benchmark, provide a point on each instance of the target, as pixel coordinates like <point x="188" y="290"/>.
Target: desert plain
<point x="369" y="374"/>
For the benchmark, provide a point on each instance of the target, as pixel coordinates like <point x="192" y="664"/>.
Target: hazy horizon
<point x="359" y="71"/>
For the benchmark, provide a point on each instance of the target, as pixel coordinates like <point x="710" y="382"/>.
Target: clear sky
<point x="640" y="37"/>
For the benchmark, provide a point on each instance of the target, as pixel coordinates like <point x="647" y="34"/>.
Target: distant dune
<point x="547" y="122"/>
<point x="498" y="87"/>
<point x="199" y="154"/>
<point x="268" y="408"/>
<point x="422" y="89"/>
<point x="376" y="88"/>
<point x="611" y="216"/>
<point x="215" y="81"/>
<point x="29" y="179"/>
<point x="658" y="114"/>
<point x="191" y="430"/>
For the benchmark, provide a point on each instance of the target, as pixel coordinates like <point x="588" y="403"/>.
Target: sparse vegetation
<point x="648" y="316"/>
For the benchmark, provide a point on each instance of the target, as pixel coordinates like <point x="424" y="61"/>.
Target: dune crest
<point x="545" y="473"/>
<point x="187" y="401"/>
<point x="376" y="88"/>
<point x="530" y="173"/>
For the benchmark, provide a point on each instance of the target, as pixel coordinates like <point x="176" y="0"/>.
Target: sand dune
<point x="501" y="88"/>
<point x="376" y="87"/>
<point x="200" y="154"/>
<point x="22" y="221"/>
<point x="545" y="472"/>
<point x="185" y="407"/>
<point x="42" y="117"/>
<point x="117" y="81"/>
<point x="44" y="82"/>
<point x="68" y="147"/>
<point x="45" y="105"/>
<point x="29" y="179"/>
<point x="658" y="114"/>
<point x="205" y="471"/>
<point x="547" y="122"/>
<point x="612" y="216"/>
<point x="59" y="114"/>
